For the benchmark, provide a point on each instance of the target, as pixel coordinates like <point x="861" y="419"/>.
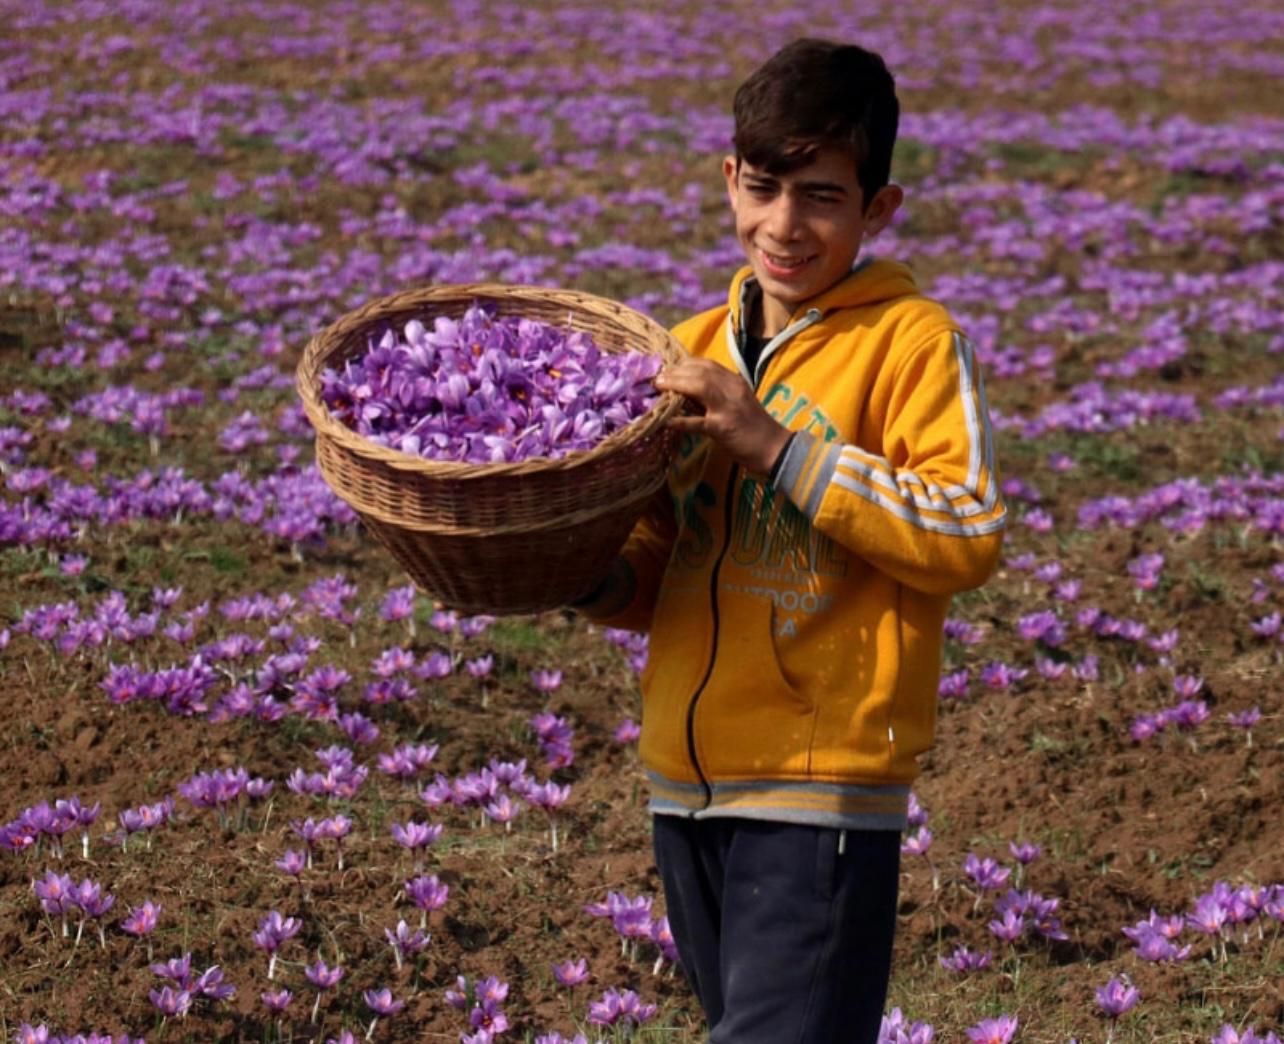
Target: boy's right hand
<point x="733" y="416"/>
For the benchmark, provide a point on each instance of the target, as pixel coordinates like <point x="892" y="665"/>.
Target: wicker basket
<point x="508" y="537"/>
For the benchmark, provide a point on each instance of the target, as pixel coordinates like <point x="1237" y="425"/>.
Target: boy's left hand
<point x="732" y="415"/>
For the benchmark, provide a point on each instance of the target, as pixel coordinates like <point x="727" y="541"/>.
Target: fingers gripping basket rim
<point x="453" y="512"/>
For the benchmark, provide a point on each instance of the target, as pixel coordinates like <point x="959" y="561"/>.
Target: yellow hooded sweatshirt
<point x="796" y="625"/>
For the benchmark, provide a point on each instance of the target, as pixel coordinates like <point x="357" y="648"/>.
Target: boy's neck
<point x="764" y="318"/>
<point x="770" y="317"/>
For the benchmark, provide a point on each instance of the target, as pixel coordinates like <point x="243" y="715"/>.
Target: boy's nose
<point x="783" y="220"/>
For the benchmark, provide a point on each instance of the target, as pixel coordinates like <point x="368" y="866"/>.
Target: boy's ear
<point x="882" y="208"/>
<point x="730" y="168"/>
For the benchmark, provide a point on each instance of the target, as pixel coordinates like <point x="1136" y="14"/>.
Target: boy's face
<point x="801" y="231"/>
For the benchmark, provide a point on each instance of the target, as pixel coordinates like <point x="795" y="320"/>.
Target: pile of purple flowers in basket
<point x="488" y="388"/>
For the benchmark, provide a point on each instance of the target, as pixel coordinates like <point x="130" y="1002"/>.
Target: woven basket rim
<point x="330" y="339"/>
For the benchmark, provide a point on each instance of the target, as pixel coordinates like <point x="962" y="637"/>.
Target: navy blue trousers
<point x="784" y="938"/>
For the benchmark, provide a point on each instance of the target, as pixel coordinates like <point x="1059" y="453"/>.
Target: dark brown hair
<point x="815" y="93"/>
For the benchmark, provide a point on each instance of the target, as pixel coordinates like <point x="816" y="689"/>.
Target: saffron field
<point x="256" y="788"/>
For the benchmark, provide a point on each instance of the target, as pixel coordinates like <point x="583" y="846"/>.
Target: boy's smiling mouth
<point x="783" y="264"/>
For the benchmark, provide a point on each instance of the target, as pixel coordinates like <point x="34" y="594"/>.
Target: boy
<point x="837" y="489"/>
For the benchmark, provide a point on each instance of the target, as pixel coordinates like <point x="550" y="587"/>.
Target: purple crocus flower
<point x="508" y="773"/>
<point x="999" y="1030"/>
<point x="662" y="936"/>
<point x="965" y="960"/>
<point x="546" y="681"/>
<point x="897" y="1029"/>
<point x="210" y="984"/>
<point x="502" y="809"/>
<point x="382" y="1003"/>
<point x="1228" y="1034"/>
<point x="1209" y="915"/>
<point x="548" y="795"/>
<point x="273" y="931"/>
<point x="1188" y="714"/>
<point x="1041" y="911"/>
<point x="444" y="620"/>
<point x="434" y="666"/>
<point x="487" y="1018"/>
<point x="358" y="728"/>
<point x="1000" y="675"/>
<point x="918" y="842"/>
<point x="1088" y="669"/>
<point x="399" y="604"/>
<point x="1145" y="570"/>
<point x="427" y="892"/>
<point x="1026" y="852"/>
<point x="555" y="735"/>
<point x="415" y="835"/>
<point x="405" y="941"/>
<point x="176" y="969"/>
<point x="277" y="1000"/>
<point x="1044" y="626"/>
<point x="381" y="1000"/>
<point x="954" y="685"/>
<point x="392" y="661"/>
<point x="491" y="988"/>
<point x="1267" y="626"/>
<point x="1144" y="726"/>
<point x="407" y="761"/>
<point x="1010" y="928"/>
<point x="71" y="812"/>
<point x="619" y="1007"/>
<point x="171" y="1002"/>
<point x="1039" y="520"/>
<point x="322" y="976"/>
<point x="987" y="873"/>
<point x="1154" y="947"/>
<point x="457" y="996"/>
<point x="56" y="892"/>
<point x="142" y="920"/>
<point x="571" y="972"/>
<point x="437" y="793"/>
<point x="1245" y="719"/>
<point x="1117" y="997"/>
<point x="94" y="904"/>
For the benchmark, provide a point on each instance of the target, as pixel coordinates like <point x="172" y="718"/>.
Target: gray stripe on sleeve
<point x="824" y="475"/>
<point x="791" y="471"/>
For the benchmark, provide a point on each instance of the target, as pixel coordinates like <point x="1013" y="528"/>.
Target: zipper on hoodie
<point x="713" y="652"/>
<point x="809" y="318"/>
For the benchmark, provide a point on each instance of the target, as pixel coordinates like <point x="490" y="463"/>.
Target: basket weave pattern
<point x="506" y="537"/>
